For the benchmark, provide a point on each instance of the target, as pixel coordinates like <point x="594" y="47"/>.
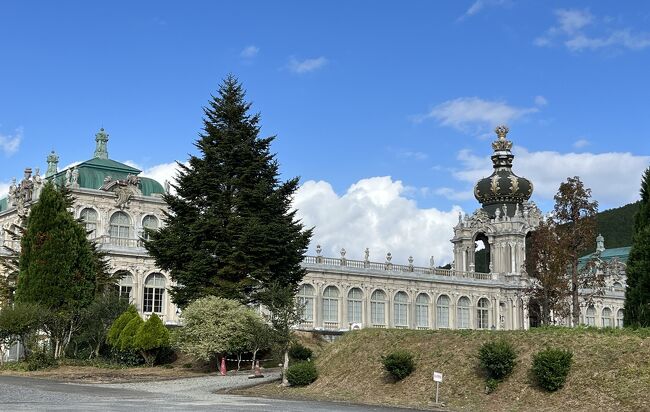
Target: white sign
<point x="437" y="377"/>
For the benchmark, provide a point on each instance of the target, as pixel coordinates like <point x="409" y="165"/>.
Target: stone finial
<point x="501" y="131"/>
<point x="343" y="252"/>
<point x="411" y="260"/>
<point x="389" y="257"/>
<point x="600" y="243"/>
<point x="52" y="164"/>
<point x="318" y="250"/>
<point x="366" y="255"/>
<point x="432" y="262"/>
<point x="101" y="140"/>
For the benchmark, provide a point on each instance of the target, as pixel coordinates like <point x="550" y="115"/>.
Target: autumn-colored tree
<point x="575" y="219"/>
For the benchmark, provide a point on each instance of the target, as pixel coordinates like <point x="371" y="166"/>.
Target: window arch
<point x="355" y="299"/>
<point x="607" y="319"/>
<point x="620" y="314"/>
<point x="154" y="292"/>
<point x="400" y="309"/>
<point x="305" y="299"/>
<point x="482" y="314"/>
<point x="590" y="316"/>
<point x="125" y="285"/>
<point x="149" y="222"/>
<point x="120" y="228"/>
<point x="462" y="311"/>
<point x="422" y="311"/>
<point x="442" y="311"/>
<point x="378" y="307"/>
<point x="617" y="285"/>
<point x="331" y="304"/>
<point x="90" y="217"/>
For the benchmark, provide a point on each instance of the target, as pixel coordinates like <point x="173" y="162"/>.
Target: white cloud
<point x="4" y="189"/>
<point x="571" y="30"/>
<point x="249" y="52"/>
<point x="375" y="213"/>
<point x="580" y="143"/>
<point x="9" y="143"/>
<point x="480" y="5"/>
<point x="473" y="114"/>
<point x="160" y="173"/>
<point x="540" y="101"/>
<point x="307" y="65"/>
<point x="613" y="177"/>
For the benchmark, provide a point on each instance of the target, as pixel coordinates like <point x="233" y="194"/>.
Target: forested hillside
<point x="616" y="226"/>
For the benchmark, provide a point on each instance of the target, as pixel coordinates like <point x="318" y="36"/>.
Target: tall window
<point x="126" y="286"/>
<point x="378" y="307"/>
<point x="154" y="291"/>
<point x="422" y="311"/>
<point x="120" y="228"/>
<point x="400" y="312"/>
<point x="462" y="313"/>
<point x="590" y="317"/>
<point x="331" y="304"/>
<point x="442" y="311"/>
<point x="149" y="222"/>
<point x="306" y="302"/>
<point x="354" y="305"/>
<point x="619" y="318"/>
<point x="482" y="314"/>
<point x="89" y="217"/>
<point x="608" y="322"/>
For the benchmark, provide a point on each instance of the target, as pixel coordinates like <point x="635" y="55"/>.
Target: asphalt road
<point x="31" y="394"/>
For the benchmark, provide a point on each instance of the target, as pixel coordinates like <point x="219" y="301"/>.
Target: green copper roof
<point x="621" y="253"/>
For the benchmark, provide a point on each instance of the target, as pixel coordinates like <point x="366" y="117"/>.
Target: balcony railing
<point x="118" y="241"/>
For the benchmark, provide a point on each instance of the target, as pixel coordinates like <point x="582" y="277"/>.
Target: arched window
<point x="618" y="285"/>
<point x="619" y="318"/>
<point x="154" y="291"/>
<point x="422" y="311"/>
<point x="400" y="312"/>
<point x="354" y="305"/>
<point x="120" y="228"/>
<point x="442" y="311"/>
<point x="331" y="304"/>
<point x="126" y="286"/>
<point x="462" y="313"/>
<point x="590" y="317"/>
<point x="90" y="218"/>
<point x="378" y="307"/>
<point x="607" y="319"/>
<point x="482" y="314"/>
<point x="306" y="301"/>
<point x="149" y="222"/>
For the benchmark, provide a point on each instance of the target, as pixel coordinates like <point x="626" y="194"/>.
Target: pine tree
<point x="57" y="266"/>
<point x="230" y="229"/>
<point x="637" y="294"/>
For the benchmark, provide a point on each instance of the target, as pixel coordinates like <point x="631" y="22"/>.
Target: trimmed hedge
<point x="302" y="373"/>
<point x="551" y="367"/>
<point x="498" y="358"/>
<point x="399" y="364"/>
<point x="300" y="352"/>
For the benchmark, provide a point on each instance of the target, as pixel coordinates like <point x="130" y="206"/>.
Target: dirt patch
<point x="92" y="374"/>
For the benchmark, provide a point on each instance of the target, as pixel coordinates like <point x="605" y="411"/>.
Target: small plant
<point x="399" y="364"/>
<point x="300" y="352"/>
<point x="167" y="366"/>
<point x="302" y="373"/>
<point x="498" y="358"/>
<point x="40" y="359"/>
<point x="491" y="385"/>
<point x="187" y="365"/>
<point x="551" y="367"/>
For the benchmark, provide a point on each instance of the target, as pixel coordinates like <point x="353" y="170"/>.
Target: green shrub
<point x="127" y="336"/>
<point x="302" y="373"/>
<point x="149" y="338"/>
<point x="40" y="359"/>
<point x="551" y="367"/>
<point x="113" y="336"/>
<point x="300" y="352"/>
<point x="498" y="358"/>
<point x="399" y="364"/>
<point x="187" y="365"/>
<point x="128" y="357"/>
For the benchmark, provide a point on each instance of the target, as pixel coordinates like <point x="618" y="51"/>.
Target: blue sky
<point x="385" y="109"/>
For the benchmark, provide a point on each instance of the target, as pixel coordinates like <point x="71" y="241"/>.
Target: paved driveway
<point x="191" y="394"/>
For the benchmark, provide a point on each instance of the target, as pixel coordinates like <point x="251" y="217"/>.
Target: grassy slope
<point x="611" y="370"/>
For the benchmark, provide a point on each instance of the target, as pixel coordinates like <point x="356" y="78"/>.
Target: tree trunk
<point x="239" y="355"/>
<point x="254" y="359"/>
<point x="285" y="366"/>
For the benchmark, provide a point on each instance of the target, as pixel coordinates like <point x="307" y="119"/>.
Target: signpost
<point x="437" y="378"/>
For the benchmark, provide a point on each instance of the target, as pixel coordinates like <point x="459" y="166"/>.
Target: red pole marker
<point x="222" y="369"/>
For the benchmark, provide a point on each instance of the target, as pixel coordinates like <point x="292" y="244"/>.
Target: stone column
<point x="318" y="304"/>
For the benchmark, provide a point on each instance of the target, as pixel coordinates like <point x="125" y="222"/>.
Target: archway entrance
<point x="481" y="253"/>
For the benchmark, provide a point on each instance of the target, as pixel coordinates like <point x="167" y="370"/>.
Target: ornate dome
<point x="502" y="187"/>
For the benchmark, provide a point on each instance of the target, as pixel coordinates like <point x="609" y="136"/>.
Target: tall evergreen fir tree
<point x="57" y="265"/>
<point x="230" y="230"/>
<point x="637" y="294"/>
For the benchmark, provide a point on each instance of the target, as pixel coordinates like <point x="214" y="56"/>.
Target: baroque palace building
<point x="483" y="289"/>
